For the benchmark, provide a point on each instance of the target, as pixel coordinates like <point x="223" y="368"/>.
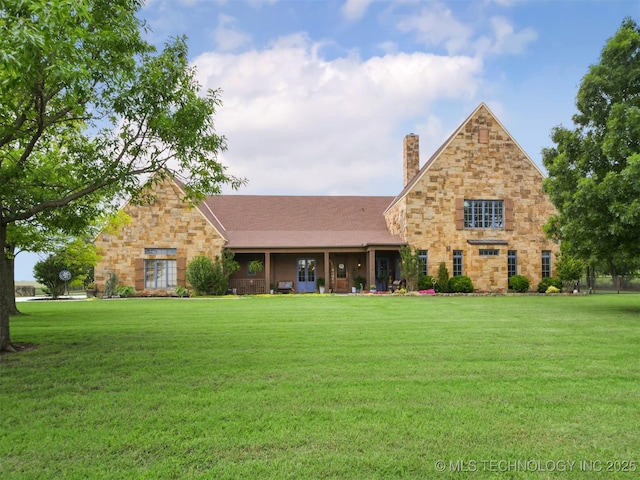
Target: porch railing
<point x="248" y="286"/>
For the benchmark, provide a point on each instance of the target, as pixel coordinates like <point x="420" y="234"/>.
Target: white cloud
<point x="297" y="123"/>
<point x="354" y="10"/>
<point x="227" y="39"/>
<point x="507" y="40"/>
<point x="435" y="25"/>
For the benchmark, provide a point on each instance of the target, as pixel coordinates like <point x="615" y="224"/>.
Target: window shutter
<point x="182" y="272"/>
<point x="139" y="268"/>
<point x="508" y="214"/>
<point x="459" y="213"/>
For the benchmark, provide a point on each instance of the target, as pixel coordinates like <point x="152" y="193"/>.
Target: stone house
<point x="477" y="204"/>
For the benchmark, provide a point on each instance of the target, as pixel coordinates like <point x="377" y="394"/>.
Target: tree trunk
<point x="11" y="283"/>
<point x="5" y="337"/>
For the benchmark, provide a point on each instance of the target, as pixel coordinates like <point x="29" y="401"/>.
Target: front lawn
<point x="296" y="386"/>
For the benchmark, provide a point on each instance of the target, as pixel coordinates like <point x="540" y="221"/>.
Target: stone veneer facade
<point x="481" y="161"/>
<point x="167" y="223"/>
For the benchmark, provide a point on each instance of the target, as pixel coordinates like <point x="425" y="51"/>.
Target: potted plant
<point x="91" y="290"/>
<point x="373" y="288"/>
<point x="272" y="288"/>
<point x="255" y="266"/>
<point x="321" y="284"/>
<point x="359" y="283"/>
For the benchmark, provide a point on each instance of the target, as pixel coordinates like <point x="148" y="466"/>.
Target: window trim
<point x="489" y="252"/>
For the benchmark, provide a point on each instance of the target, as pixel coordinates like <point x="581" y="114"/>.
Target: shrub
<point x="519" y="283"/>
<point x="547" y="282"/>
<point x="359" y="282"/>
<point x="201" y="275"/>
<point x="223" y="267"/>
<point x="425" y="282"/>
<point x="443" y="279"/>
<point x="181" y="292"/>
<point x="47" y="272"/>
<point x="125" y="291"/>
<point x="553" y="289"/>
<point x="460" y="284"/>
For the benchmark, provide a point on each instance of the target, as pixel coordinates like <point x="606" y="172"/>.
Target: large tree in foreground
<point x="594" y="169"/>
<point x="87" y="109"/>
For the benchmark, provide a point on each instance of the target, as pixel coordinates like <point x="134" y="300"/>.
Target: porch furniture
<point x="284" y="287"/>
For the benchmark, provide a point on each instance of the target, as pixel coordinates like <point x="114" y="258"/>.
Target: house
<point x="477" y="204"/>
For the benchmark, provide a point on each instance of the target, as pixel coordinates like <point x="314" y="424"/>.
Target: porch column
<point x="267" y="271"/>
<point x="327" y="271"/>
<point x="372" y="267"/>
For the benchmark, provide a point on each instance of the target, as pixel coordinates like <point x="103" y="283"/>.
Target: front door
<point x="342" y="282"/>
<point x="382" y="273"/>
<point x="306" y="275"/>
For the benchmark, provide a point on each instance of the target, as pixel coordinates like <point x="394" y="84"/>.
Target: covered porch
<point x="339" y="270"/>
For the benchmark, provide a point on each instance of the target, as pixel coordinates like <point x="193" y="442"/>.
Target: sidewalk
<point x="43" y="298"/>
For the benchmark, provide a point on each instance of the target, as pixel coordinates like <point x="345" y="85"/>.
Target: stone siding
<point x="167" y="223"/>
<point x="481" y="162"/>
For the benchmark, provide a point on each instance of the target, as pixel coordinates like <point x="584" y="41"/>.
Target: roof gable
<point x="482" y="109"/>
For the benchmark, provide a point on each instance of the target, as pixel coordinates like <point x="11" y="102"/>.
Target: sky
<point x="317" y="95"/>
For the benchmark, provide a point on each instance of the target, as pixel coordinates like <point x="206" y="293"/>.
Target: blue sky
<point x="319" y="94"/>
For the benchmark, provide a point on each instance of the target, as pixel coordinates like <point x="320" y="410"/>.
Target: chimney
<point x="411" y="157"/>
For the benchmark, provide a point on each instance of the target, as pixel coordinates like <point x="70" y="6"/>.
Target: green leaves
<point x="594" y="170"/>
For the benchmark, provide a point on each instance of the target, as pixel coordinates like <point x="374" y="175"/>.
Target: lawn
<point x="304" y="387"/>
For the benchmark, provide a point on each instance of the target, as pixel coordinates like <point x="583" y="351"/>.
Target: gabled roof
<point x="271" y="221"/>
<point x="437" y="153"/>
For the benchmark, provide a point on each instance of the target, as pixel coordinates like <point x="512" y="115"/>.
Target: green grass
<point x="323" y="387"/>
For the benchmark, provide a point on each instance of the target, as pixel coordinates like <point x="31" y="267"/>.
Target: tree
<point x="47" y="272"/>
<point x="594" y="169"/>
<point x="78" y="257"/>
<point x="568" y="268"/>
<point x="443" y="278"/>
<point x="410" y="266"/>
<point x="88" y="112"/>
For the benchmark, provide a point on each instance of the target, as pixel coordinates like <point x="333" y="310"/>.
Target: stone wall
<point x="166" y="223"/>
<point x="481" y="162"/>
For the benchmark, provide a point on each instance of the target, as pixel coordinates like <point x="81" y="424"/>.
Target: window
<point x="160" y="251"/>
<point x="546" y="263"/>
<point x="342" y="271"/>
<point x="512" y="263"/>
<point x="489" y="252"/>
<point x="160" y="273"/>
<point x="457" y="263"/>
<point x="423" y="262"/>
<point x="483" y="214"/>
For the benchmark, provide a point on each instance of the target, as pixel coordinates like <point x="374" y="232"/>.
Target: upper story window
<point x="160" y="251"/>
<point x="483" y="214"/>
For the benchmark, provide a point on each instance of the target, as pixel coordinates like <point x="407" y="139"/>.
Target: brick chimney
<point x="411" y="157"/>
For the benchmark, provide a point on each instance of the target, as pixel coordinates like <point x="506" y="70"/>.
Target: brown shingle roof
<point x="262" y="221"/>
